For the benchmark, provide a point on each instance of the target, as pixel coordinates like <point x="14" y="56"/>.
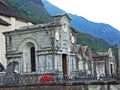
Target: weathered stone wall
<point x="65" y="86"/>
<point x="49" y="40"/>
<point x="42" y="39"/>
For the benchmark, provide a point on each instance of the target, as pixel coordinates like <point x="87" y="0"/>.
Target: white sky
<point x="104" y="11"/>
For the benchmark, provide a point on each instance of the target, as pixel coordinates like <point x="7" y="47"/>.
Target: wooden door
<point x="64" y="64"/>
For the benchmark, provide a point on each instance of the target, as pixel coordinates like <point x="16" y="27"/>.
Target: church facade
<point x="43" y="48"/>
<point x="52" y="48"/>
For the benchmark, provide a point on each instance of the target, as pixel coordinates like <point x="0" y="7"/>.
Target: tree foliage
<point x="30" y="9"/>
<point x="35" y="11"/>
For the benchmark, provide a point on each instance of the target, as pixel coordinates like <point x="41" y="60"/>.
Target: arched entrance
<point x="29" y="57"/>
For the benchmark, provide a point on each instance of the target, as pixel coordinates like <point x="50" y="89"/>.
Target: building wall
<point x="2" y="44"/>
<point x="15" y="24"/>
<point x="23" y="40"/>
<point x="105" y="63"/>
<point x="50" y="49"/>
<point x="118" y="53"/>
<point x="65" y="43"/>
<point x="65" y="86"/>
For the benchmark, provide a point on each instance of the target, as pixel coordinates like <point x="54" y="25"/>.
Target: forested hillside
<point x="35" y="11"/>
<point x="93" y="42"/>
<point x="31" y="9"/>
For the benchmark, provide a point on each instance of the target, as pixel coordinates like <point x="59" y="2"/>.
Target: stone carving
<point x="12" y="77"/>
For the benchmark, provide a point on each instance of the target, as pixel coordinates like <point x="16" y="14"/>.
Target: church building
<point x="52" y="48"/>
<point x="43" y="48"/>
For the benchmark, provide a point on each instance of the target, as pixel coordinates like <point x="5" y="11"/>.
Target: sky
<point x="101" y="11"/>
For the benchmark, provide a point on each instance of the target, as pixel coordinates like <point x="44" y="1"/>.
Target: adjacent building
<point x="104" y="63"/>
<point x="84" y="58"/>
<point x="118" y="60"/>
<point x="9" y="20"/>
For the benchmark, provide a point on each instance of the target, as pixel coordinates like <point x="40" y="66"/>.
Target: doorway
<point x="111" y="68"/>
<point x="64" y="64"/>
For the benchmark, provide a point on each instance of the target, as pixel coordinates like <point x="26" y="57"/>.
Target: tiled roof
<point x="61" y="15"/>
<point x="8" y="11"/>
<point x="2" y="22"/>
<point x="98" y="55"/>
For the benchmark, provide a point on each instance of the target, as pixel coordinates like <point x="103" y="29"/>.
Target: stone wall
<point x="65" y="86"/>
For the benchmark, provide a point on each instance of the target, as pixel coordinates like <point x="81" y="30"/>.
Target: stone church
<point x="52" y="47"/>
<point x="43" y="48"/>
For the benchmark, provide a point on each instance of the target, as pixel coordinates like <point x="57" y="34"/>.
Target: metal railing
<point x="34" y="79"/>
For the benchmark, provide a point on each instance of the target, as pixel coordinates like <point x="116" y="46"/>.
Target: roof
<point x="32" y="27"/>
<point x="6" y="10"/>
<point x="61" y="15"/>
<point x="74" y="30"/>
<point x="99" y="55"/>
<point x="2" y="22"/>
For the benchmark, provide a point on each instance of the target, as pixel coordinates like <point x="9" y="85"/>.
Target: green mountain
<point x="35" y="11"/>
<point x="93" y="42"/>
<point x="100" y="30"/>
<point x="31" y="9"/>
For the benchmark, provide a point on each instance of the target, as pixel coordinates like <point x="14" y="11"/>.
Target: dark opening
<point x="111" y="67"/>
<point x="33" y="67"/>
<point x="64" y="64"/>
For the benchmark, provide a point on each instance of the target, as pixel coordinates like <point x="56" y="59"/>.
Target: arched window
<point x="33" y="64"/>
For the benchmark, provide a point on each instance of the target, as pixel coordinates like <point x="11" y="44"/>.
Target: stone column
<point x="118" y="60"/>
<point x="106" y="67"/>
<point x="84" y="66"/>
<point x="94" y="67"/>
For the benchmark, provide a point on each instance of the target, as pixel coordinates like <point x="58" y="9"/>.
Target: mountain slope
<point x="93" y="42"/>
<point x="31" y="9"/>
<point x="83" y="38"/>
<point x="100" y="30"/>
